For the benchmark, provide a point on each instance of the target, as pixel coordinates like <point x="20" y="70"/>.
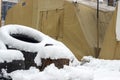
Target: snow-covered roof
<point x="10" y="55"/>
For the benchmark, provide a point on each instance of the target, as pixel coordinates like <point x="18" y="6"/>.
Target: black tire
<point x="11" y="60"/>
<point x="23" y="36"/>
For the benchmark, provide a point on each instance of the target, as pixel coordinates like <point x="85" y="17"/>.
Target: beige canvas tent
<point x="111" y="46"/>
<point x="72" y="23"/>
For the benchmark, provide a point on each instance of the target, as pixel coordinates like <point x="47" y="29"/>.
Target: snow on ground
<point x="53" y="73"/>
<point x="89" y="68"/>
<point x="92" y="69"/>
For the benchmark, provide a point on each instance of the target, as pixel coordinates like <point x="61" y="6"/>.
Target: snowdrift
<point x="95" y="69"/>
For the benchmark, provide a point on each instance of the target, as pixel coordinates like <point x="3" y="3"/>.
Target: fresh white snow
<point x="88" y="68"/>
<point x="100" y="64"/>
<point x="94" y="69"/>
<point x="2" y="45"/>
<point x="10" y="55"/>
<point x="53" y="73"/>
<point x="5" y="32"/>
<point x="55" y="51"/>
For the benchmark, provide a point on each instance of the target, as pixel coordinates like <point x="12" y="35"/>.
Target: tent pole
<point x="97" y="51"/>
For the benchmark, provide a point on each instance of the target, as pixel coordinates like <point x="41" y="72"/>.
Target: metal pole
<point x="97" y="51"/>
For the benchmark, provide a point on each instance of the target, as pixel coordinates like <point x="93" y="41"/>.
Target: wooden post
<point x="97" y="53"/>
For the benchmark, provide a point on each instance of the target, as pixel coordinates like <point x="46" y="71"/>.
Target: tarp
<point x="86" y="27"/>
<point x="111" y="46"/>
<point x="20" y="13"/>
<point x="72" y="23"/>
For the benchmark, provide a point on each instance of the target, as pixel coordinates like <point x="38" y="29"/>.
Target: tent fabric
<point x="89" y="26"/>
<point x="111" y="47"/>
<point x="118" y="23"/>
<point x="51" y="22"/>
<point x="73" y="35"/>
<point x="73" y="24"/>
<point x="48" y="21"/>
<point x="20" y="14"/>
<point x="82" y="23"/>
<point x="45" y="5"/>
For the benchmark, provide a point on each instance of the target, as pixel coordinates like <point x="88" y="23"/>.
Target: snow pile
<point x="103" y="69"/>
<point x="100" y="64"/>
<point x="10" y="55"/>
<point x="5" y="32"/>
<point x="2" y="45"/>
<point x="52" y="73"/>
<point x="46" y="46"/>
<point x="118" y="22"/>
<point x="55" y="52"/>
<point x="92" y="69"/>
